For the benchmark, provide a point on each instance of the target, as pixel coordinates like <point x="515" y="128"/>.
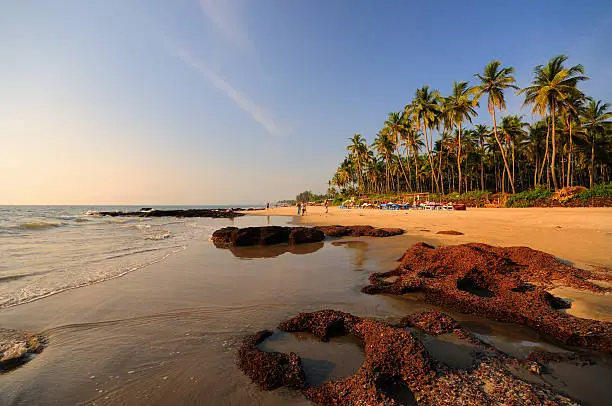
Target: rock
<point x="301" y="235"/>
<point x="149" y="212"/>
<point x="16" y="347"/>
<point x="266" y="235"/>
<point x="270" y="370"/>
<point x="450" y="232"/>
<point x="500" y="284"/>
<point x="358" y="231"/>
<point x="432" y="322"/>
<point x="397" y="369"/>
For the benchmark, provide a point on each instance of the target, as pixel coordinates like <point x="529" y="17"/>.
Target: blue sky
<point x="243" y="101"/>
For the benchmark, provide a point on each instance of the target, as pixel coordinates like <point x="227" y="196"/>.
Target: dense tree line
<point x="433" y="144"/>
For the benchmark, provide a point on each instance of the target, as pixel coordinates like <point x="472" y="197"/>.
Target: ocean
<point x="48" y="249"/>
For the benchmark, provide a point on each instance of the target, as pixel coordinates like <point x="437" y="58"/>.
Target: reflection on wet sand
<point x="272" y="251"/>
<point x="360" y="248"/>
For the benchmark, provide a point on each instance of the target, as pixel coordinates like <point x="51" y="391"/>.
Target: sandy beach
<point x="579" y="235"/>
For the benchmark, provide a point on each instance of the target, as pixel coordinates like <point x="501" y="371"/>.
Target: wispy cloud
<point x="225" y="14"/>
<point x="239" y="98"/>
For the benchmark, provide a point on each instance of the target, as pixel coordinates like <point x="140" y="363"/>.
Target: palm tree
<point x="357" y="150"/>
<point x="425" y="110"/>
<point x="493" y="82"/>
<point x="384" y="146"/>
<point x="413" y="142"/>
<point x="595" y="122"/>
<point x="480" y="132"/>
<point x="511" y="129"/>
<point x="571" y="107"/>
<point x="394" y="125"/>
<point x="552" y="84"/>
<point x="459" y="107"/>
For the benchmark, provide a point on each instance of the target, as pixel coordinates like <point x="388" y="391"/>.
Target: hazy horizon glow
<point x="236" y="101"/>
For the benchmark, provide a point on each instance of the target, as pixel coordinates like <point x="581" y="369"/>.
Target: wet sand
<point x="168" y="334"/>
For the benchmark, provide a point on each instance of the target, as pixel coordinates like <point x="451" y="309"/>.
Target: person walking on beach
<point x="326" y="206"/>
<point x="304" y="208"/>
<point x="267" y="205"/>
<point x="299" y="206"/>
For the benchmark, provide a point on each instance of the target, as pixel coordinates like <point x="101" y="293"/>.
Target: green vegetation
<point x="528" y="198"/>
<point x="603" y="190"/>
<point x="430" y="145"/>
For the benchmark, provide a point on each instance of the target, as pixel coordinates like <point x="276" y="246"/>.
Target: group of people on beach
<point x="301" y="206"/>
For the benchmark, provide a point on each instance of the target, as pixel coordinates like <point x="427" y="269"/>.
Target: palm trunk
<point x="544" y="160"/>
<point x="459" y="158"/>
<point x="399" y="161"/>
<point x="554" y="149"/>
<point x="592" y="166"/>
<point x="569" y="156"/>
<point x="482" y="164"/>
<point x="501" y="148"/>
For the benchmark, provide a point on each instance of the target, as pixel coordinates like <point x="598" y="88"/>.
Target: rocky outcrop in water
<point x="397" y="369"/>
<point x="148" y="212"/>
<point x="505" y="284"/>
<point x="17" y="347"/>
<point x="270" y="235"/>
<point x="267" y="235"/>
<point x="359" y="231"/>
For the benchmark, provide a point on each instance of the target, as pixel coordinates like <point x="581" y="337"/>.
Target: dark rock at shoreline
<point x="270" y="235"/>
<point x="148" y="212"/>
<point x="359" y="231"/>
<point x="450" y="232"/>
<point x="397" y="369"/>
<point x="504" y="284"/>
<point x="17" y="347"/>
<point x="266" y="235"/>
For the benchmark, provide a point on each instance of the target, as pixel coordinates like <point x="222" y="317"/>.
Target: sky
<point x="245" y="101"/>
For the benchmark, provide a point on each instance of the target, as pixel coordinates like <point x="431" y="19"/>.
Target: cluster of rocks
<point x="269" y="235"/>
<point x="17" y="347"/>
<point x="504" y="284"/>
<point x="149" y="212"/>
<point x="397" y="369"/>
<point x="359" y="231"/>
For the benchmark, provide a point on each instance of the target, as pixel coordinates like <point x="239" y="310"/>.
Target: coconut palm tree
<point x="413" y="141"/>
<point x="571" y="107"/>
<point x="425" y="110"/>
<point x="493" y="82"/>
<point x="459" y="107"/>
<point x="395" y="126"/>
<point x="480" y="131"/>
<point x="512" y="130"/>
<point x="385" y="148"/>
<point x="358" y="150"/>
<point x="595" y="121"/>
<point x="551" y="85"/>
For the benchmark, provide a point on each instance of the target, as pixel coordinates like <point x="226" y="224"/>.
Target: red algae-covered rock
<point x="270" y="370"/>
<point x="432" y="322"/>
<point x="397" y="369"/>
<point x="505" y="284"/>
<point x="359" y="231"/>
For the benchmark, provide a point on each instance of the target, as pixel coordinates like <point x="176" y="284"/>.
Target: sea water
<point x="49" y="249"/>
